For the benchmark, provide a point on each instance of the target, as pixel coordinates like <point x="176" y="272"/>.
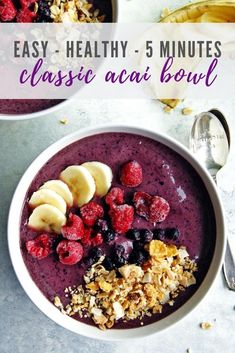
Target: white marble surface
<point x="23" y="329"/>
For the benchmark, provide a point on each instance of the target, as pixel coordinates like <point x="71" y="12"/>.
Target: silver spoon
<point x="210" y="143"/>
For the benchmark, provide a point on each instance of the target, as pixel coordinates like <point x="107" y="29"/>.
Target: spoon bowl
<point x="210" y="143"/>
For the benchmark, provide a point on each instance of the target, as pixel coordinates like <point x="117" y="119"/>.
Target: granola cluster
<point x="133" y="291"/>
<point x="74" y="11"/>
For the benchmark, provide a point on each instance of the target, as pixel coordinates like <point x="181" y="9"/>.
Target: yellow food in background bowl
<point x="216" y="11"/>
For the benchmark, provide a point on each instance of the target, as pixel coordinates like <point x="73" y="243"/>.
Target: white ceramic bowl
<point x="64" y="103"/>
<point x="47" y="307"/>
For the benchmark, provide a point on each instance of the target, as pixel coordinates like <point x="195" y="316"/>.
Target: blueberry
<point x="43" y="7"/>
<point x="88" y="261"/>
<point x="101" y="225"/>
<point x="108" y="264"/>
<point x="138" y="245"/>
<point x="119" y="261"/>
<point x="95" y="253"/>
<point x="43" y="12"/>
<point x="138" y="257"/>
<point x="146" y="235"/>
<point x="159" y="234"/>
<point x="172" y="233"/>
<point x="40" y="19"/>
<point x="119" y="250"/>
<point x="134" y="234"/>
<point x="109" y="236"/>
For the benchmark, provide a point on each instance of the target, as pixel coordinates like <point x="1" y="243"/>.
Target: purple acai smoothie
<point x="165" y="173"/>
<point x="26" y="106"/>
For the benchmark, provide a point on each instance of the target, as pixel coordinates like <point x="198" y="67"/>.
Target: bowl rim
<point x="44" y="304"/>
<point x="57" y="107"/>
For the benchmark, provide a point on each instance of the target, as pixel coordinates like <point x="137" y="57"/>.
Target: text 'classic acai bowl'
<point x="116" y="232"/>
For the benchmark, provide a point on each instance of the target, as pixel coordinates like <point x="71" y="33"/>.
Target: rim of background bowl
<point x="44" y="304"/>
<point x="59" y="106"/>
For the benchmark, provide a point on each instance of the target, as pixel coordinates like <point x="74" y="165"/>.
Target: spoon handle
<point x="229" y="268"/>
<point x="228" y="265"/>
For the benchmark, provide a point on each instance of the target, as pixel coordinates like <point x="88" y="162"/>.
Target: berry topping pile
<point x="103" y="225"/>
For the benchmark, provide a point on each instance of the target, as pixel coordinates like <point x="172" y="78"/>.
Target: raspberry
<point x="86" y="240"/>
<point x="74" y="228"/>
<point x="40" y="247"/>
<point x="131" y="174"/>
<point x="25" y="16"/>
<point x="154" y="208"/>
<point x="142" y="202"/>
<point x="91" y="212"/>
<point x="70" y="252"/>
<point x="122" y="217"/>
<point x="115" y="197"/>
<point x="97" y="240"/>
<point x="27" y="3"/>
<point x="7" y="10"/>
<point x="159" y="210"/>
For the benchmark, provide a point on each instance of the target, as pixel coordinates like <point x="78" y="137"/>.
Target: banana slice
<point x="80" y="182"/>
<point x="47" y="218"/>
<point x="61" y="189"/>
<point x="47" y="196"/>
<point x="102" y="175"/>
